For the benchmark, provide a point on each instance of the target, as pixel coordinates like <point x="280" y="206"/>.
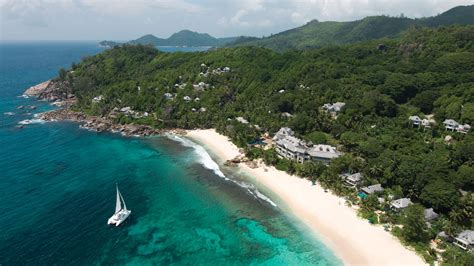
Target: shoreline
<point x="352" y="239"/>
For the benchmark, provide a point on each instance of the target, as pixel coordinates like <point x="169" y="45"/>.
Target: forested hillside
<point x="383" y="82"/>
<point x="318" y="34"/>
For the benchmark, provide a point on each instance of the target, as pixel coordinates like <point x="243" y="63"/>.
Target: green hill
<point x="183" y="38"/>
<point x="318" y="34"/>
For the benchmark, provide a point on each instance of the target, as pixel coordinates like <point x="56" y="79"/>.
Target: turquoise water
<point x="57" y="190"/>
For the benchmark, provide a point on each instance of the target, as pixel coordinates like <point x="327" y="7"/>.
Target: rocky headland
<point x="56" y="92"/>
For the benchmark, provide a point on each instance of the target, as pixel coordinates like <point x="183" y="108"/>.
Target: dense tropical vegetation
<point x="318" y="34"/>
<point x="383" y="82"/>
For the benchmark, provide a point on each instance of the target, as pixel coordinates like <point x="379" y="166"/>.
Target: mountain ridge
<point x="181" y="38"/>
<point x="318" y="34"/>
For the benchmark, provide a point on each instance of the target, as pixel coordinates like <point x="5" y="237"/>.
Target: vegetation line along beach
<point x="352" y="238"/>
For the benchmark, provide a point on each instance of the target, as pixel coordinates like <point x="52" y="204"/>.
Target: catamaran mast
<point x="118" y="204"/>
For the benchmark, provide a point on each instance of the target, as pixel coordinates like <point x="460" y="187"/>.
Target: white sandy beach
<point x="352" y="239"/>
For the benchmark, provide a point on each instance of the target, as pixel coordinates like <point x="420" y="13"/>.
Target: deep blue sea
<point x="57" y="190"/>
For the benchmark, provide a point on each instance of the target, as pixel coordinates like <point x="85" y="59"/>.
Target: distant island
<point x="181" y="38"/>
<point x="318" y="34"/>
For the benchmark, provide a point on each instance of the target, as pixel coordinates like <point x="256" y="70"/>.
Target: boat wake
<point x="206" y="161"/>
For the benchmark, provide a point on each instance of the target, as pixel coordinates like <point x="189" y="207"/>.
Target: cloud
<point x="33" y="13"/>
<point x="127" y="19"/>
<point x="133" y="8"/>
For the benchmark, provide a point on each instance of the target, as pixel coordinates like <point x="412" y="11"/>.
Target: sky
<point x="126" y="20"/>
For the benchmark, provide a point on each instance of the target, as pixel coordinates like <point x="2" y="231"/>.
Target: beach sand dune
<point x="352" y="239"/>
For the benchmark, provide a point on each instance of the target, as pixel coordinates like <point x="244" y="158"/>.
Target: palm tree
<point x="456" y="215"/>
<point x="376" y="170"/>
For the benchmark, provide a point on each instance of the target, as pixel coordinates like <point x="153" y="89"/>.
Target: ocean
<point x="57" y="189"/>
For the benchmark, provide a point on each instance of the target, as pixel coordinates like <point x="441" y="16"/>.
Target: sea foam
<point x="203" y="157"/>
<point x="205" y="160"/>
<point x="31" y="121"/>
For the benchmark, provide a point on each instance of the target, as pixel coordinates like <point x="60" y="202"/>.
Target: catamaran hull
<point x="119" y="217"/>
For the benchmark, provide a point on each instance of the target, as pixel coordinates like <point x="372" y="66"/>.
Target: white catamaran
<point x="120" y="214"/>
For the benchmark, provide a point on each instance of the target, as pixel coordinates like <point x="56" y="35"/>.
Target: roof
<point x="283" y="132"/>
<point x="450" y="122"/>
<point x="242" y="120"/>
<point x="355" y="177"/>
<point x="292" y="143"/>
<point x="372" y="189"/>
<point x="323" y="151"/>
<point x="430" y="214"/>
<point x="334" y="107"/>
<point x="401" y="203"/>
<point x="414" y="118"/>
<point x="466" y="236"/>
<point x="285" y="138"/>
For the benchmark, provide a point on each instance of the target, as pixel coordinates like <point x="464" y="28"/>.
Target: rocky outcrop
<point x="56" y="91"/>
<point x="99" y="124"/>
<point x="37" y="89"/>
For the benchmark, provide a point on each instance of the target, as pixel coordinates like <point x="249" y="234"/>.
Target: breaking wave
<point x="32" y="121"/>
<point x="205" y="160"/>
<point x="203" y="157"/>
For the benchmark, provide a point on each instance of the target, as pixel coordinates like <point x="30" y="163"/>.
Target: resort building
<point x="168" y="96"/>
<point x="415" y="120"/>
<point x="333" y="107"/>
<point x="97" y="99"/>
<point x="453" y="125"/>
<point x="372" y="189"/>
<point x="241" y="120"/>
<point x="463" y="128"/>
<point x="450" y="124"/>
<point x="427" y="123"/>
<point x="290" y="147"/>
<point x="465" y="240"/>
<point x="401" y="203"/>
<point x="201" y="86"/>
<point x="430" y="215"/>
<point x="352" y="180"/>
<point x="180" y="86"/>
<point x="187" y="98"/>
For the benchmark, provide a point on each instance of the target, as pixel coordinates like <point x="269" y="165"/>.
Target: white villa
<point x="180" y="86"/>
<point x="97" y="99"/>
<point x="333" y="107"/>
<point x="453" y="125"/>
<point x="201" y="86"/>
<point x="430" y="215"/>
<point x="352" y="180"/>
<point x="372" y="189"/>
<point x="401" y="203"/>
<point x="290" y="147"/>
<point x="465" y="240"/>
<point x="132" y="113"/>
<point x="168" y="96"/>
<point x="242" y="120"/>
<point x="416" y="121"/>
<point x="187" y="98"/>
